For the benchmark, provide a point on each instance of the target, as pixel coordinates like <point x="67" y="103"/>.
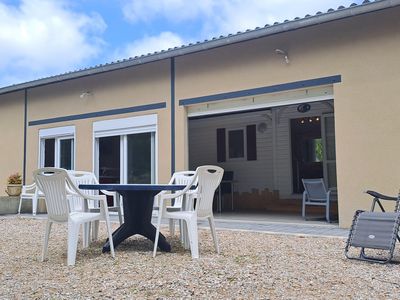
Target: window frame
<point x="244" y="157"/>
<point x="57" y="133"/>
<point x="123" y="127"/>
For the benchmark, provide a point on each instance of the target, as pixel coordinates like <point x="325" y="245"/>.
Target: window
<point x="125" y="150"/>
<point x="237" y="143"/>
<point x="57" y="147"/>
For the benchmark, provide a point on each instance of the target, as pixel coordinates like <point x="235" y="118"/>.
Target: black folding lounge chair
<point x="374" y="230"/>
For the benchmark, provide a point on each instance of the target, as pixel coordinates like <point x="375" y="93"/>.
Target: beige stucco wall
<point x="146" y="84"/>
<point x="363" y="51"/>
<point x="12" y="136"/>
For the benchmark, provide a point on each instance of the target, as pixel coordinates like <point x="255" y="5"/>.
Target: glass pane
<point x="236" y="143"/>
<point x="330" y="126"/>
<point x="330" y="138"/>
<point x="313" y="150"/>
<point x="66" y="154"/>
<point x="331" y="175"/>
<point x="139" y="158"/>
<point x="49" y="152"/>
<point x="330" y="148"/>
<point x="109" y="159"/>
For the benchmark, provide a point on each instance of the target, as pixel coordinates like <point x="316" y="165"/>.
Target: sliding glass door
<point x="126" y="158"/>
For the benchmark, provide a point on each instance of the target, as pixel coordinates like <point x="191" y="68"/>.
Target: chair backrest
<point x="183" y="178"/>
<point x="209" y="178"/>
<point x="52" y="182"/>
<point x="315" y="189"/>
<point x="81" y="177"/>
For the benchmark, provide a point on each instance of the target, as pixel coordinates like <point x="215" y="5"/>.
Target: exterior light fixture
<point x="284" y="53"/>
<point x="85" y="94"/>
<point x="304" y="107"/>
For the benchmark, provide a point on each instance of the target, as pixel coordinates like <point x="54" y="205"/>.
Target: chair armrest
<point x="29" y="187"/>
<point x="380" y="196"/>
<point x="109" y="193"/>
<point x="70" y="191"/>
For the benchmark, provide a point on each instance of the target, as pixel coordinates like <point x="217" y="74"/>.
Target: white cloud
<point x="149" y="44"/>
<point x="225" y="16"/>
<point x="43" y="37"/>
<point x="173" y="10"/>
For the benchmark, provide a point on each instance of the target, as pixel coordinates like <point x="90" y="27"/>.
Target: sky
<point x="41" y="38"/>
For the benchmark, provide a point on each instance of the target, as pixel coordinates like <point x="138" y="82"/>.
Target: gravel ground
<point x="250" y="266"/>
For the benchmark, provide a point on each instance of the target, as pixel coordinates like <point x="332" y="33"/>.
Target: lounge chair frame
<point x="375" y="230"/>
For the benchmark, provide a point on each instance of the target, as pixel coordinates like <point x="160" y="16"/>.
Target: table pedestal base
<point x="138" y="208"/>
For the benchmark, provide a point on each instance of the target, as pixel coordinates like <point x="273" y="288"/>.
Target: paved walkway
<point x="328" y="230"/>
<point x="291" y="227"/>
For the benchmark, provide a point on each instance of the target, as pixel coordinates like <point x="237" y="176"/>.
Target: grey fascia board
<point x="240" y="37"/>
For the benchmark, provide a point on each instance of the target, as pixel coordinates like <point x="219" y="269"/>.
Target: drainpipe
<point x="25" y="131"/>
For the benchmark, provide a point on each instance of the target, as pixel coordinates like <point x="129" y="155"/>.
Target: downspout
<point x="25" y="131"/>
<point x="172" y="115"/>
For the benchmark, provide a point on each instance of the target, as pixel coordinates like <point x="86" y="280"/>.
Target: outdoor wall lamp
<point x="284" y="53"/>
<point x="85" y="94"/>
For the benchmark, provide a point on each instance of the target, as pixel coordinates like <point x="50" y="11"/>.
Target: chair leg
<point x="303" y="210"/>
<point x="193" y="237"/>
<point x="214" y="233"/>
<point x="34" y="205"/>
<point x="184" y="234"/>
<point x="95" y="230"/>
<point x="172" y="227"/>
<point x="327" y="212"/>
<point x="157" y="234"/>
<point x="73" y="232"/>
<point x="46" y="240"/>
<point x="120" y="215"/>
<point x="86" y="235"/>
<point x="110" y="237"/>
<point x="20" y="204"/>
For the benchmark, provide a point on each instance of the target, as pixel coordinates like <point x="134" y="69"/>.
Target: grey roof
<point x="308" y="20"/>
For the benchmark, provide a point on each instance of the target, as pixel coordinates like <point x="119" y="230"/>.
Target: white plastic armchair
<point x="53" y="182"/>
<point x="83" y="177"/>
<point x="181" y="178"/>
<point x="32" y="193"/>
<point x="209" y="178"/>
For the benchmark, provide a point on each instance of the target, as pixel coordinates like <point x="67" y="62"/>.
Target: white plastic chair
<point x="83" y="177"/>
<point x="30" y="192"/>
<point x="53" y="182"/>
<point x="209" y="177"/>
<point x="315" y="193"/>
<point x="181" y="178"/>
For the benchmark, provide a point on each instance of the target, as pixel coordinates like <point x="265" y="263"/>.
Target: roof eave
<point x="215" y="43"/>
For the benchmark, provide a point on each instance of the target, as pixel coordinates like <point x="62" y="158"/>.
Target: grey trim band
<point x="100" y="113"/>
<point x="263" y="90"/>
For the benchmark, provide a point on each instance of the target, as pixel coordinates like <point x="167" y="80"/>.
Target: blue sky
<point x="40" y="38"/>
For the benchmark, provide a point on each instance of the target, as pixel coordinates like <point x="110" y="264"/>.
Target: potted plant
<point x="14" y="184"/>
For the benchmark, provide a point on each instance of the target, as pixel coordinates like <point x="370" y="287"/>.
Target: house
<point x="316" y="96"/>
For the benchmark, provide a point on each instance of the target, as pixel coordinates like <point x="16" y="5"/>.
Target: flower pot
<point x="14" y="189"/>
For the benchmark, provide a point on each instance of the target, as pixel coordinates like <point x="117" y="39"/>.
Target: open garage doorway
<point x="265" y="153"/>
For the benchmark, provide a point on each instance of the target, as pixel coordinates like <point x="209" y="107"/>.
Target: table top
<point x="132" y="187"/>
